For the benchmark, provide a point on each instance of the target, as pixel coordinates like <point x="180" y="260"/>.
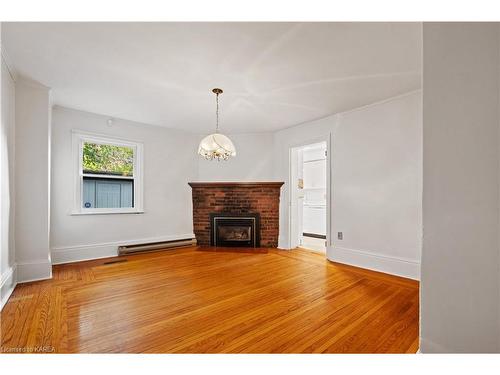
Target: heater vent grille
<point x="156" y="246"/>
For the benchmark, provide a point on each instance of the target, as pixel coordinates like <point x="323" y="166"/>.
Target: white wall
<point x="377" y="186"/>
<point x="376" y="163"/>
<point x="32" y="161"/>
<point x="253" y="161"/>
<point x="376" y="234"/>
<point x="7" y="190"/>
<point x="460" y="255"/>
<point x="169" y="164"/>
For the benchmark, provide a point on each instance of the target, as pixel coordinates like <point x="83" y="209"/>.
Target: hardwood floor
<point x="192" y="301"/>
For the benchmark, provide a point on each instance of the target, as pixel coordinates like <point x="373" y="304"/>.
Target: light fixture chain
<point x="217" y="113"/>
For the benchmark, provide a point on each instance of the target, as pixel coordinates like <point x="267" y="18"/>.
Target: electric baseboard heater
<point x="155" y="246"/>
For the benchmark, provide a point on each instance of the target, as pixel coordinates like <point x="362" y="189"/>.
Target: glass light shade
<point x="216" y="147"/>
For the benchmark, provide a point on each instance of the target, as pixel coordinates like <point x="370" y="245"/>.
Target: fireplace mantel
<point x="237" y="198"/>
<point x="236" y="184"/>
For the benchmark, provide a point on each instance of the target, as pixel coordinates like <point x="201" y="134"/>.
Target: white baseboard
<point x="34" y="271"/>
<point x="70" y="254"/>
<point x="428" y="346"/>
<point x="375" y="261"/>
<point x="8" y="282"/>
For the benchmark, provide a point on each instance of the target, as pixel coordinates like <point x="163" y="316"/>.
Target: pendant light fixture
<point x="216" y="146"/>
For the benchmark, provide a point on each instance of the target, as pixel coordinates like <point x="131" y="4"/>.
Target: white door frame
<point x="292" y="211"/>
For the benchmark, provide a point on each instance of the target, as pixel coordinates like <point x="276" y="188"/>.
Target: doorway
<point x="309" y="196"/>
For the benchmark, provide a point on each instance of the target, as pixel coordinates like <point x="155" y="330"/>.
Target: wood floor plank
<point x="195" y="300"/>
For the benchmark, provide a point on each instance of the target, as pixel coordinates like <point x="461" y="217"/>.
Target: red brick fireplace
<point x="237" y="199"/>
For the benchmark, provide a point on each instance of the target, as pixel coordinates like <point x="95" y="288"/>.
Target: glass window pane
<point x="107" y="193"/>
<point x="108" y="159"/>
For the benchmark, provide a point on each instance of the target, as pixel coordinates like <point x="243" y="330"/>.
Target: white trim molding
<point x="79" y="138"/>
<point x="428" y="346"/>
<point x="34" y="271"/>
<point x="408" y="268"/>
<point x="69" y="254"/>
<point x="289" y="194"/>
<point x="8" y="283"/>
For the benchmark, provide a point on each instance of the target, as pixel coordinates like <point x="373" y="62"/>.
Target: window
<point x="108" y="175"/>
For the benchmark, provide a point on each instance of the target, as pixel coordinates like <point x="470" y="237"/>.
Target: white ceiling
<point x="274" y="75"/>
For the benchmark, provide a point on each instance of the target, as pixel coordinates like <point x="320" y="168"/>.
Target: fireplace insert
<point x="235" y="230"/>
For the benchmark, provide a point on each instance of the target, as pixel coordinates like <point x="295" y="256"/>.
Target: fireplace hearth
<point x="234" y="230"/>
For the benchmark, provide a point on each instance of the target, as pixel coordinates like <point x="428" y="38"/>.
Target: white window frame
<point x="79" y="138"/>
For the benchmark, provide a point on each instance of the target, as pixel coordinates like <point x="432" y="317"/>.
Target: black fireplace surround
<point x="235" y="230"/>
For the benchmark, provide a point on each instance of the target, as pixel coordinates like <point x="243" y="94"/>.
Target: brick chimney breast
<point x="237" y="198"/>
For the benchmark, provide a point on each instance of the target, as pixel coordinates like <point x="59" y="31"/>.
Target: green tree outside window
<point x="108" y="159"/>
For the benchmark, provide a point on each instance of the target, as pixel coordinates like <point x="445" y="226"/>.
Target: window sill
<point x="78" y="213"/>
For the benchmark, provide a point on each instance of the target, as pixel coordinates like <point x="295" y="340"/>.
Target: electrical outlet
<point x="340" y="235"/>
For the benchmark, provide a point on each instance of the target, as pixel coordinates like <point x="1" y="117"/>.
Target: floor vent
<point x="115" y="261"/>
<point x="156" y="246"/>
<point x="314" y="235"/>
